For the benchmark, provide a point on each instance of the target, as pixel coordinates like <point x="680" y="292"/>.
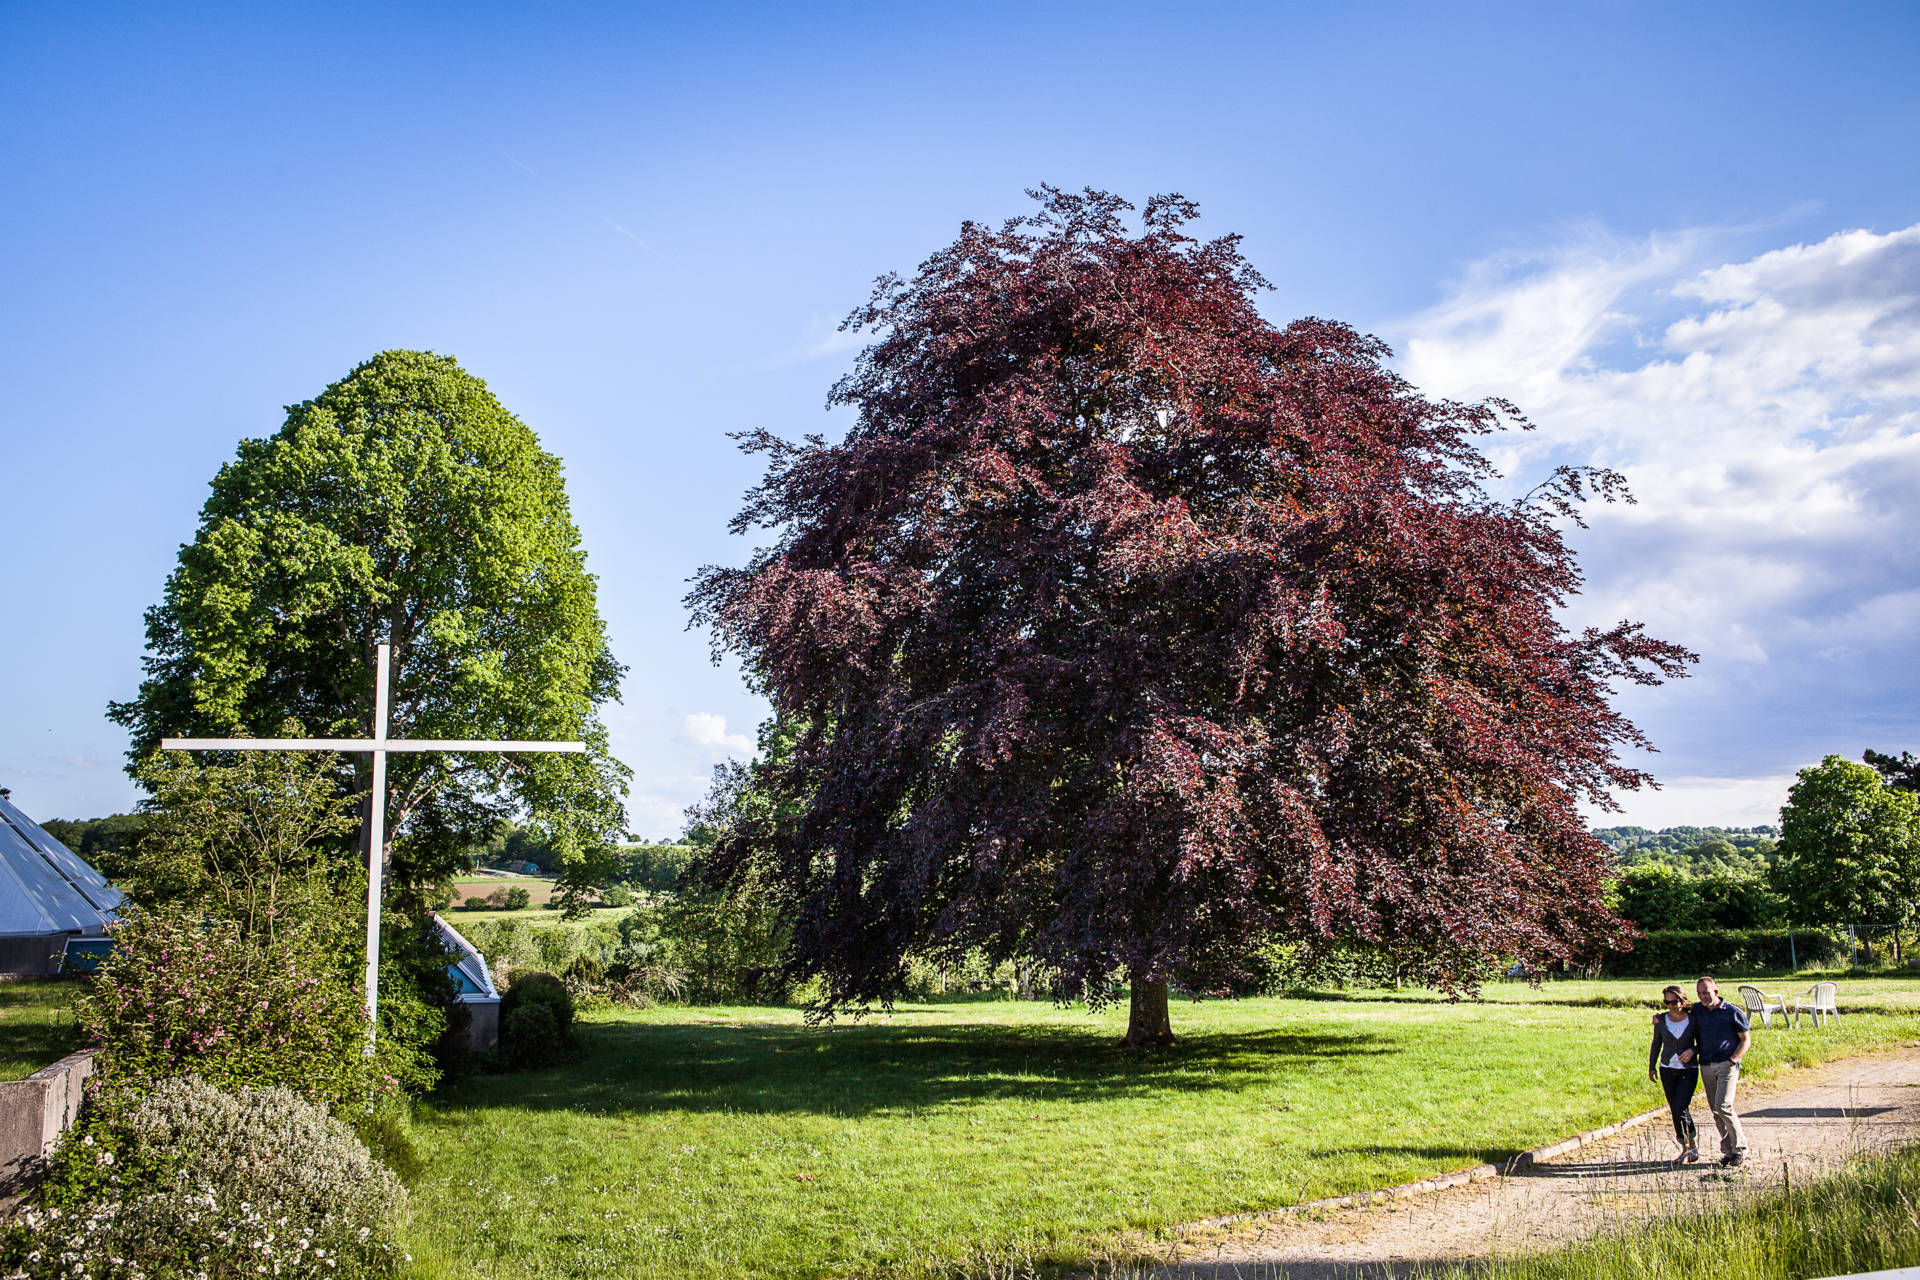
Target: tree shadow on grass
<point x="862" y="1069"/>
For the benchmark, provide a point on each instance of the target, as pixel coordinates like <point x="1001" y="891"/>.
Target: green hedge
<point x="1666" y="953"/>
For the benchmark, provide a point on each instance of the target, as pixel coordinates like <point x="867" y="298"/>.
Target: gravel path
<point x="1801" y="1126"/>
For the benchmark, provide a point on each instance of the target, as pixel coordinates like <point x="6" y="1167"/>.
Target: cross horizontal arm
<point x="364" y="744"/>
<point x="478" y="744"/>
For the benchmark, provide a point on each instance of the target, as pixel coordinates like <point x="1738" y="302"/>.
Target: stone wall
<point x="33" y="1114"/>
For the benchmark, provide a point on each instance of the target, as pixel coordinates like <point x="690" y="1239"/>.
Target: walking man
<point x="1724" y="1037"/>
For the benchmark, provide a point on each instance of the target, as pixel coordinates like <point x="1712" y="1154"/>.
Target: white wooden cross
<point x="379" y="745"/>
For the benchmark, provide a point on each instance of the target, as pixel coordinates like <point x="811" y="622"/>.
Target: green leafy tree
<point x="1656" y="896"/>
<point x="403" y="503"/>
<point x="1901" y="772"/>
<point x="1739" y="900"/>
<point x="654" y="867"/>
<point x="1850" y="847"/>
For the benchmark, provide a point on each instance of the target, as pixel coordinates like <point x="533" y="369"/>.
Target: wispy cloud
<point x="819" y="339"/>
<point x="629" y="235"/>
<point x="1767" y="414"/>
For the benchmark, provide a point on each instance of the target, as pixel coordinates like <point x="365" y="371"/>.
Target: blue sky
<point x="1682" y="238"/>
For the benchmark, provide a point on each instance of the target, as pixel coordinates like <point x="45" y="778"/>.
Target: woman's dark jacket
<point x="1666" y="1044"/>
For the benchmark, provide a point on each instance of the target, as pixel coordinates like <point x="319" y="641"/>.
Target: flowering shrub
<point x="184" y="993"/>
<point x="190" y="1181"/>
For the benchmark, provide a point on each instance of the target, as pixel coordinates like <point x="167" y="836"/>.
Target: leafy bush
<point x="517" y="898"/>
<point x="643" y="986"/>
<point x="583" y="970"/>
<point x="536" y="1019"/>
<point x="617" y="895"/>
<point x="417" y="1005"/>
<point x="530" y="1036"/>
<point x="186" y="994"/>
<point x="260" y="840"/>
<point x="1666" y="953"/>
<point x="1345" y="963"/>
<point x="189" y="1180"/>
<point x="539" y="987"/>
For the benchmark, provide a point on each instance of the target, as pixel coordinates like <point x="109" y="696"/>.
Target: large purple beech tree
<point x="1129" y="633"/>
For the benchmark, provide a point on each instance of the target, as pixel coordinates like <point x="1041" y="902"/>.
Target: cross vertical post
<point x="376" y="837"/>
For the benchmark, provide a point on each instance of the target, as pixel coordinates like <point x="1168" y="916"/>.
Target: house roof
<point x="467" y="967"/>
<point x="44" y="886"/>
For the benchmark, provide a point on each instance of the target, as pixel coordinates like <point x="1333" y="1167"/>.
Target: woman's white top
<point x="1679" y="1029"/>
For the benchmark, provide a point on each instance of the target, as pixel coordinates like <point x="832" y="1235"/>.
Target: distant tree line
<point x="108" y="843"/>
<point x="1693" y="847"/>
<point x="1845" y="856"/>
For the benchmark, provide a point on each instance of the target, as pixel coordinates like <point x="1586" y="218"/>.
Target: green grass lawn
<point x="36" y="1026"/>
<point x="742" y="1143"/>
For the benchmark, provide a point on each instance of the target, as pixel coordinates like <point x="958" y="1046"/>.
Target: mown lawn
<point x="36" y="1026"/>
<point x="532" y="917"/>
<point x="742" y="1143"/>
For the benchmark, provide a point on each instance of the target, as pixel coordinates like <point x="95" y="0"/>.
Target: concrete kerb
<point x="33" y="1114"/>
<point x="1439" y="1182"/>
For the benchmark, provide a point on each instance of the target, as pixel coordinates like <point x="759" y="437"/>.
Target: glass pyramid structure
<point x="45" y="888"/>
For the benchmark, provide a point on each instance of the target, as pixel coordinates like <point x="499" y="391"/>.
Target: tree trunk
<point x="1147" y="1020"/>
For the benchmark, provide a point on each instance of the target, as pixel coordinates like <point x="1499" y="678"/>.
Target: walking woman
<point x="1674" y="1064"/>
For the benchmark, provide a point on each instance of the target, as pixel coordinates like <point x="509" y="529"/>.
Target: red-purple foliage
<point x="1129" y="632"/>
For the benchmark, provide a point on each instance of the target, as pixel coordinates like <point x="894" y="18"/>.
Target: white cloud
<point x="708" y="732"/>
<point x="1766" y="412"/>
<point x="655" y="817"/>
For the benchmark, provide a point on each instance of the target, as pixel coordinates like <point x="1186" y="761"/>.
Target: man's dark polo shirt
<point x="1720" y="1030"/>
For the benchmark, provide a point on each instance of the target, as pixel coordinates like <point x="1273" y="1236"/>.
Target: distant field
<point x="36" y="1026"/>
<point x="539" y="888"/>
<point x="536" y="917"/>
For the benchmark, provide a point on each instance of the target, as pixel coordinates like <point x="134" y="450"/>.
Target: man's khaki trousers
<point x="1719" y="1080"/>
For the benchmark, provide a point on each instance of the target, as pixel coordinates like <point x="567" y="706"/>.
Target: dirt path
<point x="1804" y="1125"/>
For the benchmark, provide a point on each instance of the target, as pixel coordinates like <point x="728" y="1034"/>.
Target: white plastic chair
<point x="1821" y="998"/>
<point x="1759" y="1002"/>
